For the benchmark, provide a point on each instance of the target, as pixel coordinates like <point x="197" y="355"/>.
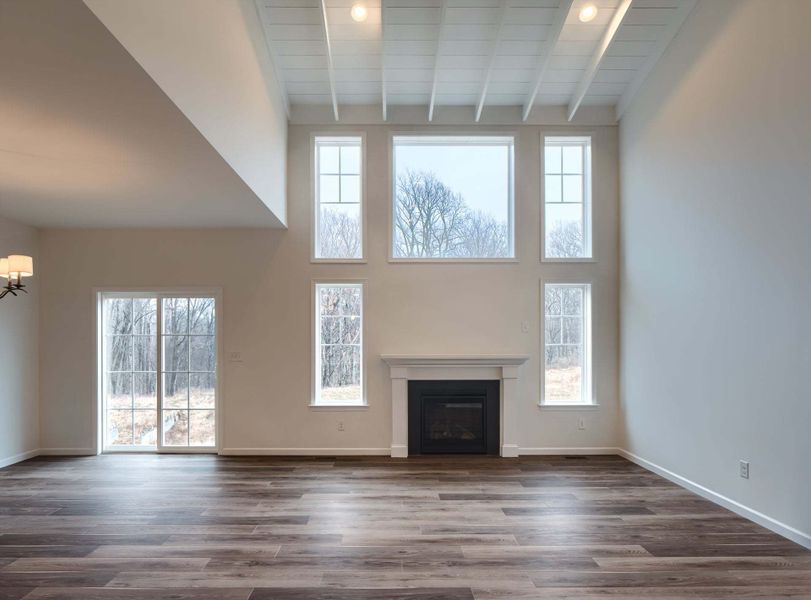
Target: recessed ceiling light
<point x="587" y="13"/>
<point x="359" y="13"/>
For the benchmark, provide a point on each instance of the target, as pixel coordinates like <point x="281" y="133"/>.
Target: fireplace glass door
<point x="453" y="424"/>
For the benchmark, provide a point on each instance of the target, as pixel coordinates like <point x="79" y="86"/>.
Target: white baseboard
<point x="67" y="452"/>
<point x="11" y="460"/>
<point x="571" y="451"/>
<point x="780" y="528"/>
<point x="305" y="451"/>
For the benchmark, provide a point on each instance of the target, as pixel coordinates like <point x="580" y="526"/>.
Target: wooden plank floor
<point x="209" y="528"/>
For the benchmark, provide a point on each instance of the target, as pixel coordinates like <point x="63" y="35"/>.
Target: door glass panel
<point x="135" y="408"/>
<point x="129" y="366"/>
<point x="189" y="372"/>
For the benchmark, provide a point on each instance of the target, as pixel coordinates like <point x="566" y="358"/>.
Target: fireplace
<point x="453" y="417"/>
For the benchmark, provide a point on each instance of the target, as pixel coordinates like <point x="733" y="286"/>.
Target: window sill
<point x="567" y="407"/>
<point x="569" y="260"/>
<point x="470" y="261"/>
<point x="338" y="407"/>
<point x="339" y="261"/>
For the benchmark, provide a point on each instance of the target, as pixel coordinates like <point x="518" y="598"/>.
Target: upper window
<point x="338" y="198"/>
<point x="453" y="197"/>
<point x="567" y="198"/>
<point x="567" y="344"/>
<point x="338" y="344"/>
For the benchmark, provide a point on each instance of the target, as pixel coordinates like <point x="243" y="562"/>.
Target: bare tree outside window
<point x="339" y="344"/>
<point x="567" y="197"/>
<point x="338" y="198"/>
<point x="452" y="198"/>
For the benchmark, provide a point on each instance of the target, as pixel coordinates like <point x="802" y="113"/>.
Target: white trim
<point x="600" y="52"/>
<point x="11" y="460"/>
<point x="548" y="49"/>
<point x="780" y="528"/>
<point x="586" y="142"/>
<point x="527" y="451"/>
<point x="315" y="344"/>
<point x="67" y="452"/>
<point x="305" y="452"/>
<point x="504" y="5"/>
<point x="439" y="37"/>
<point x="427" y="137"/>
<point x="568" y="407"/>
<point x="158" y="292"/>
<point x="330" y="67"/>
<point x="588" y="383"/>
<point x="338" y="407"/>
<point x="682" y="12"/>
<point x="349" y="138"/>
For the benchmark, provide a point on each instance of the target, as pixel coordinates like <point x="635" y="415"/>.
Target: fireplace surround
<point x="503" y="369"/>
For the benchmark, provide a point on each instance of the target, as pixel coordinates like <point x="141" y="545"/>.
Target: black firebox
<point x="453" y="417"/>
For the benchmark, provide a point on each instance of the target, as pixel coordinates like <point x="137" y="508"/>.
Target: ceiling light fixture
<point x="359" y="13"/>
<point x="587" y="13"/>
<point x="14" y="268"/>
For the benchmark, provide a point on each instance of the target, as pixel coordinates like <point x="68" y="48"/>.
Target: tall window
<point x="567" y="198"/>
<point x="155" y="400"/>
<point x="453" y="197"/>
<point x="567" y="344"/>
<point x="338" y="198"/>
<point x="338" y="344"/>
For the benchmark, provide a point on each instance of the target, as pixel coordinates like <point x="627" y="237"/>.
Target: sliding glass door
<point x="158" y="372"/>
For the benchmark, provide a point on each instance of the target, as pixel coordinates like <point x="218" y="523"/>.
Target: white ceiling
<point x="408" y="50"/>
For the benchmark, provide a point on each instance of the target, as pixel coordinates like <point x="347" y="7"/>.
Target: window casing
<point x="338" y="199"/>
<point x="158" y="371"/>
<point x="567" y="379"/>
<point x="452" y="198"/>
<point x="567" y="198"/>
<point x="338" y="366"/>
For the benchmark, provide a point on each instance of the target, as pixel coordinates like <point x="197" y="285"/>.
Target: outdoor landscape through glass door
<point x="159" y="372"/>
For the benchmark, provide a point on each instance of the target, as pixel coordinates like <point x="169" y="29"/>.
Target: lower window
<point x="338" y="345"/>
<point x="567" y="344"/>
<point x="159" y="371"/>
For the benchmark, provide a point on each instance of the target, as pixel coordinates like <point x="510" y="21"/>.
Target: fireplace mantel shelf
<point x="444" y="360"/>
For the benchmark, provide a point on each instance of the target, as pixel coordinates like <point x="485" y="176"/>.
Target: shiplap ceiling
<point x="475" y="53"/>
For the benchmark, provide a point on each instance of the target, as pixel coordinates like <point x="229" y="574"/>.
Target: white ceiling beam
<point x="439" y="38"/>
<point x="493" y="51"/>
<point x="330" y="68"/>
<point x="383" y="99"/>
<point x="597" y="57"/>
<point x="670" y="32"/>
<point x="274" y="61"/>
<point x="548" y="49"/>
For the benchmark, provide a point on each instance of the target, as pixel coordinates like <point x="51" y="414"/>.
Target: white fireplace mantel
<point x="404" y="367"/>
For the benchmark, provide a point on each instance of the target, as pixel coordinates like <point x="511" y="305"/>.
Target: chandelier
<point x="14" y="268"/>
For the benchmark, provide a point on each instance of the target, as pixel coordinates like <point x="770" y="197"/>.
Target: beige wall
<point x="266" y="280"/>
<point x="716" y="173"/>
<point x="19" y="361"/>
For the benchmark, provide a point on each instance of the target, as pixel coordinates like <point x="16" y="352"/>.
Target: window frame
<point x="99" y="295"/>
<point x="588" y="394"/>
<point x="588" y="196"/>
<point x="315" y="344"/>
<point x="314" y="199"/>
<point x="512" y="208"/>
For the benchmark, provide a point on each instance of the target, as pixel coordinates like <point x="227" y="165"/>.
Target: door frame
<point x="159" y="292"/>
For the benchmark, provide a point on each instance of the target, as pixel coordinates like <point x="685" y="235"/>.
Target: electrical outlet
<point x="744" y="467"/>
<point x="525" y="326"/>
<point x="581" y="423"/>
<point x="235" y="356"/>
<point x="340" y="425"/>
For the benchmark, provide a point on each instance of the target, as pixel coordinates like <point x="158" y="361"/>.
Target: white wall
<point x="19" y="391"/>
<point x="266" y="279"/>
<point x="715" y="284"/>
